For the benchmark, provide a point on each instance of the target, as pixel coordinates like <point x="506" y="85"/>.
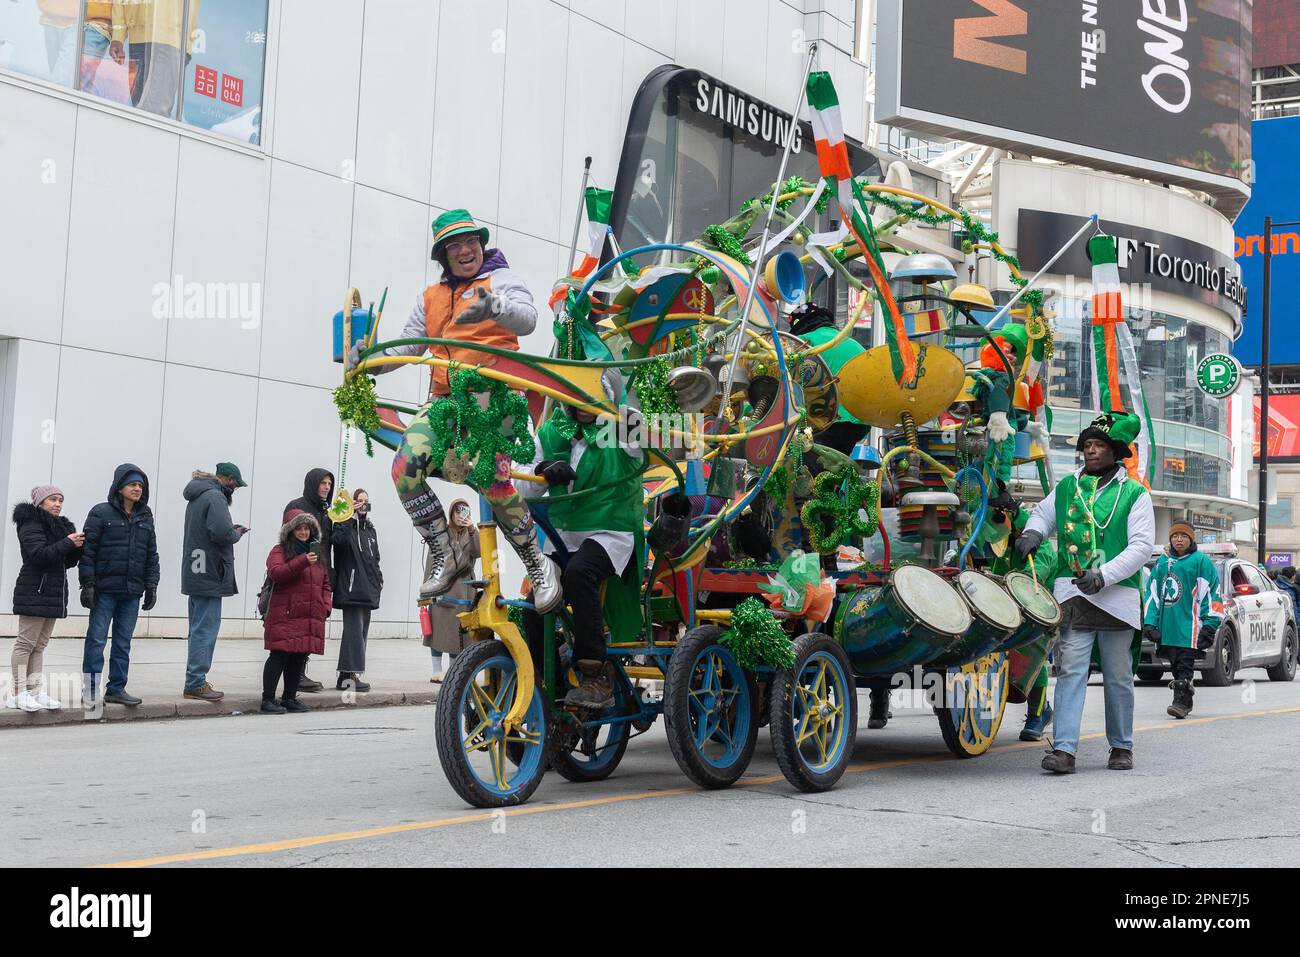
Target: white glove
<point x="999" y="428"/>
<point x="487" y="306"/>
<point x="1039" y="434"/>
<point x="354" y="355"/>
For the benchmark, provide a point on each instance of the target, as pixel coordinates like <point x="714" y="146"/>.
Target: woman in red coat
<point x="300" y="603"/>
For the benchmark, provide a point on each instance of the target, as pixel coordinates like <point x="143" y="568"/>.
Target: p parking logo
<point x="75" y="910"/>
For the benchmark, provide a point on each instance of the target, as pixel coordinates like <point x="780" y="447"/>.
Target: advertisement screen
<point x="1274" y="193"/>
<point x="1283" y="427"/>
<point x="1152" y="87"/>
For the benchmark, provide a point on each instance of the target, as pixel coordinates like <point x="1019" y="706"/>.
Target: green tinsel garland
<point x="756" y="638"/>
<point x="789" y="186"/>
<point x="831" y="516"/>
<point x="727" y="244"/>
<point x="355" y="399"/>
<point x="778" y="483"/>
<point x="458" y="423"/>
<point x="651" y="384"/>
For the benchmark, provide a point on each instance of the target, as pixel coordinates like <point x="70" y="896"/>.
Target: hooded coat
<point x="121" y="553"/>
<point x="318" y="508"/>
<point x="301" y="599"/>
<point x="208" y="552"/>
<point x="41" y="590"/>
<point x="358" y="579"/>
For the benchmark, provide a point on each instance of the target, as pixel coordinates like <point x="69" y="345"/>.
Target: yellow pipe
<point x="907" y="450"/>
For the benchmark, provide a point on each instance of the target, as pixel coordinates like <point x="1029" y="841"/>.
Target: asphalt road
<point x="357" y="788"/>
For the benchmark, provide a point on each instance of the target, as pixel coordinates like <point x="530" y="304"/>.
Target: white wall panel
<point x="593" y="119"/>
<point x="743" y="40"/>
<point x="220" y="255"/>
<point x="653" y="23"/>
<point x="699" y="35"/>
<point x="317" y="84"/>
<point x="35" y="191"/>
<point x="395" y="121"/>
<point x="307" y="257"/>
<point x="120" y="237"/>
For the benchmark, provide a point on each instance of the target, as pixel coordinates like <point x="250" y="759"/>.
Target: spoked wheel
<point x="487" y="765"/>
<point x="975" y="699"/>
<point x="814" y="714"/>
<point x="709" y="709"/>
<point x="593" y="753"/>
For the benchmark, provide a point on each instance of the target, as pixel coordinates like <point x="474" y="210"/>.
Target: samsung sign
<point x="1169" y="263"/>
<point x="737" y="110"/>
<point x="1158" y="88"/>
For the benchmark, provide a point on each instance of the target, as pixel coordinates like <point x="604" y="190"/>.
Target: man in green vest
<point x="1105" y="528"/>
<point x="599" y="530"/>
<point x="1180" y="611"/>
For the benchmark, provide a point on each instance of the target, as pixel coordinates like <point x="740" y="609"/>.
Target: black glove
<point x="557" y="473"/>
<point x="1090" y="582"/>
<point x="150" y="599"/>
<point x="1026" y="542"/>
<point x="1151" y="633"/>
<point x="87" y="596"/>
<point x="1205" y="640"/>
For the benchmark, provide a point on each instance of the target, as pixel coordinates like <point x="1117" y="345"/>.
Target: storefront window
<point x="200" y="61"/>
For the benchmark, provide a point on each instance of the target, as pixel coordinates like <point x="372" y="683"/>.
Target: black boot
<point x="880" y="714"/>
<point x="1182" y="705"/>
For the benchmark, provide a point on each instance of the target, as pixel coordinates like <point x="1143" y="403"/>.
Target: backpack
<point x="264" y="597"/>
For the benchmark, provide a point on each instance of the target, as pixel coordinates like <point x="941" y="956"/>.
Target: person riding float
<point x="1184" y="590"/>
<point x="575" y="453"/>
<point x="480" y="300"/>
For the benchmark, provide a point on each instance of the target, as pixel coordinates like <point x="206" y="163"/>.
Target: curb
<point x="192" y="708"/>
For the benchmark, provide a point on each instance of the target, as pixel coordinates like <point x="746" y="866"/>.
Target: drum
<point x="911" y="620"/>
<point x="1041" y="611"/>
<point x="996" y="615"/>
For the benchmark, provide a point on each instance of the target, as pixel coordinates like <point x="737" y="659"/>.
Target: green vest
<point x="1181" y="592"/>
<point x="1078" y="542"/>
<point x="617" y="506"/>
<point x="835" y="357"/>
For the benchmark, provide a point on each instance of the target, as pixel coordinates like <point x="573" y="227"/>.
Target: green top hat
<point x="454" y="222"/>
<point x="1117" y="428"/>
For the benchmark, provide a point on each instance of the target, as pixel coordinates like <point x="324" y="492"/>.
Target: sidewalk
<point x="398" y="672"/>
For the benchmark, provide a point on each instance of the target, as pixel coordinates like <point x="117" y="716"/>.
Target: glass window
<point x="1280" y="515"/>
<point x="38" y="38"/>
<point x="223" y="79"/>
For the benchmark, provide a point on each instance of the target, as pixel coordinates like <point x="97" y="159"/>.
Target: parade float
<point x="692" y="335"/>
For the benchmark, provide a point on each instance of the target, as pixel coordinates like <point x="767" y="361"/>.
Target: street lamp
<point x="1263" y="397"/>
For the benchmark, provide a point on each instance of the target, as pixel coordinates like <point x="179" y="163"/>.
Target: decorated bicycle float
<point x="681" y="351"/>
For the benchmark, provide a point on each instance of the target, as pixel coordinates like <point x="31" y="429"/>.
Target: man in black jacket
<point x="118" y="566"/>
<point x="317" y="488"/>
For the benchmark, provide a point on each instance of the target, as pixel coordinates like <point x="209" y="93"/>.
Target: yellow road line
<point x="290" y="844"/>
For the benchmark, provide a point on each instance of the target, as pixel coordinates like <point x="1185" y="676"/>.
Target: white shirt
<point x="1116" y="600"/>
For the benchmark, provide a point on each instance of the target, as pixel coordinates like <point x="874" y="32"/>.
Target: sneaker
<point x="1120" y="760"/>
<point x="205" y="693"/>
<point x="24" y="701"/>
<point x="45" y="701"/>
<point x="1059" y="762"/>
<point x="1036" y="726"/>
<point x="294" y="705"/>
<point x="271" y="706"/>
<point x="121" y="697"/>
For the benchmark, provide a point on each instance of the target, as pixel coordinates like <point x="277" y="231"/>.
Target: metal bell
<point x="694" y="387"/>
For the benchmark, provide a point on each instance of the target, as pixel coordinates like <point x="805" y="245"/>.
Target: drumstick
<point x="1032" y="571"/>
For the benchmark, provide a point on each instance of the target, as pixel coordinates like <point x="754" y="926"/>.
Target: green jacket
<point x="1182" y="591"/>
<point x="617" y="506"/>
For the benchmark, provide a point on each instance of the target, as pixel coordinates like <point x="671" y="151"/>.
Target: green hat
<point x="453" y="223"/>
<point x="231" y="470"/>
<point x="1117" y="428"/>
<point x="1016" y="336"/>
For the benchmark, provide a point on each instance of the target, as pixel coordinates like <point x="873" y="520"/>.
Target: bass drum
<point x="996" y="616"/>
<point x="1042" y="613"/>
<point x="912" y="620"/>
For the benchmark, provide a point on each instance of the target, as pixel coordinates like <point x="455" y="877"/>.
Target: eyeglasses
<point x="458" y="245"/>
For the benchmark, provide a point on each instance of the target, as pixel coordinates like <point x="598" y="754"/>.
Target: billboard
<point x="1156" y="88"/>
<point x="1283" y="428"/>
<point x="1274" y="193"/>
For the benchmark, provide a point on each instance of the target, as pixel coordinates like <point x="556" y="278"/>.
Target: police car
<point x="1258" y="631"/>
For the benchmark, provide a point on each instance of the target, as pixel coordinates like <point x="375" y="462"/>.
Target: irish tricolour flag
<point x="599" y="204"/>
<point x="1116" y="374"/>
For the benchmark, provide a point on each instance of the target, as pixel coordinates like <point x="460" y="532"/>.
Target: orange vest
<point x="440" y="312"/>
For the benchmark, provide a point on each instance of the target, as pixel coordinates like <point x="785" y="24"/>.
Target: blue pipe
<point x="979" y="518"/>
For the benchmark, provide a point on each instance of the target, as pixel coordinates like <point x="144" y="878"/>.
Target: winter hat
<point x="1117" y="428"/>
<point x="41" y="492"/>
<point x="130" y="477"/>
<point x="1183" y="527"/>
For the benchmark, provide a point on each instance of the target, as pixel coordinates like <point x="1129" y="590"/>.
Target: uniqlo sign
<point x="205" y="81"/>
<point x="232" y="90"/>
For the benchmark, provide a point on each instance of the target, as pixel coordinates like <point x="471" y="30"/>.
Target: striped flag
<point x="1115" y="367"/>
<point x="599" y="204"/>
<point x="833" y="164"/>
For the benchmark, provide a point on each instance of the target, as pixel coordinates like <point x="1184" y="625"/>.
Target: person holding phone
<point x="446" y="636"/>
<point x="358" y="582"/>
<point x="301" y="600"/>
<point x="208" y="568"/>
